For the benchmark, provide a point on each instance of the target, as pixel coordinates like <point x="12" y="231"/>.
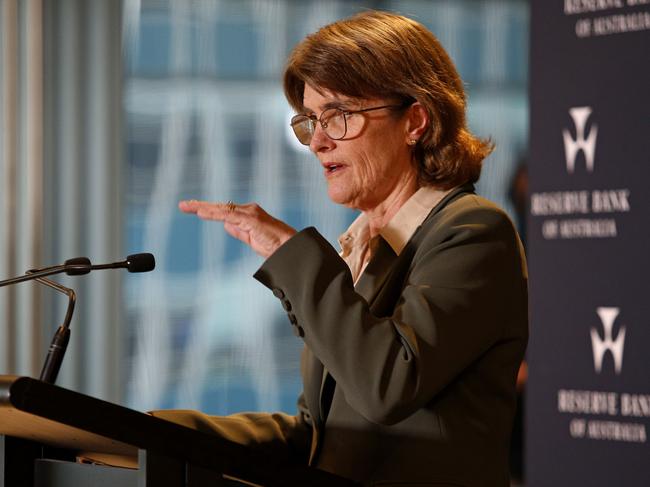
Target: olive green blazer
<point x="409" y="377"/>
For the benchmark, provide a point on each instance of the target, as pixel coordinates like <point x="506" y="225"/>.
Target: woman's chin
<point x="346" y="199"/>
<point x="338" y="195"/>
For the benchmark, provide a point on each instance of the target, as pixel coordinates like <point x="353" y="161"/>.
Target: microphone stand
<point x="77" y="266"/>
<point x="61" y="338"/>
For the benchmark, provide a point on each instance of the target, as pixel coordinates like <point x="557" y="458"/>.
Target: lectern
<point x="44" y="428"/>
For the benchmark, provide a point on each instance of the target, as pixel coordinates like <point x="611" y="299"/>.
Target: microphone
<point x="81" y="265"/>
<point x="133" y="263"/>
<point x="73" y="267"/>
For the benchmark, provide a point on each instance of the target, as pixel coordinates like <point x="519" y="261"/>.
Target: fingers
<point x="216" y="212"/>
<point x="189" y="206"/>
<point x="247" y="222"/>
<point x="209" y="211"/>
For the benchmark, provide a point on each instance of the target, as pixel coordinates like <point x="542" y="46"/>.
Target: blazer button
<point x="277" y="292"/>
<point x="286" y="305"/>
<point x="298" y="331"/>
<point x="292" y="318"/>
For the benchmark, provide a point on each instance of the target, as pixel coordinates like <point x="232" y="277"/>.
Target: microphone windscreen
<point x="85" y="261"/>
<point x="140" y="263"/>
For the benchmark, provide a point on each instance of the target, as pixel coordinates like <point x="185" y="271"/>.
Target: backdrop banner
<point x="588" y="399"/>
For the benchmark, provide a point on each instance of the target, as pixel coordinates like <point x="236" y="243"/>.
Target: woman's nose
<point x="320" y="140"/>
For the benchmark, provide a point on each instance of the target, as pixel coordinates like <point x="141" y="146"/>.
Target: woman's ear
<point x="417" y="122"/>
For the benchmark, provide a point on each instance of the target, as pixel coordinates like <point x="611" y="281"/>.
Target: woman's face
<point x="373" y="161"/>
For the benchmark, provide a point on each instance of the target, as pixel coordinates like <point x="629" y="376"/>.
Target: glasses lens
<point x="334" y="123"/>
<point x="303" y="127"/>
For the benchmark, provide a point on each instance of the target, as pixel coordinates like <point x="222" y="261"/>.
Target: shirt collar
<point x="355" y="235"/>
<point x="401" y="227"/>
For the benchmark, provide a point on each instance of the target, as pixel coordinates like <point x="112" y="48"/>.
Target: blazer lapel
<point x="381" y="264"/>
<point x="318" y="388"/>
<point x="376" y="271"/>
<point x="368" y="286"/>
<point x="465" y="188"/>
<point x="326" y="394"/>
<point x="312" y="384"/>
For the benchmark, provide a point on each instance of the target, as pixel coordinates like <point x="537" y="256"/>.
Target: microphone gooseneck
<point x="77" y="266"/>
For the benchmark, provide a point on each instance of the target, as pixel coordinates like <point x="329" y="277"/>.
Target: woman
<point x="413" y="332"/>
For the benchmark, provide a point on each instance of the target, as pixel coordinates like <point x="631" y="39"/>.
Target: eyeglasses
<point x="333" y="121"/>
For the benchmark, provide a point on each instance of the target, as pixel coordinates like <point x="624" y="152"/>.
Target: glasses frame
<point x="296" y="119"/>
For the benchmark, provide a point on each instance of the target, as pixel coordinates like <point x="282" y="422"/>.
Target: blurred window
<point x="206" y="119"/>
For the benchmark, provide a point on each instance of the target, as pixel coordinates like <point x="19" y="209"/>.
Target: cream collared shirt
<point x="357" y="248"/>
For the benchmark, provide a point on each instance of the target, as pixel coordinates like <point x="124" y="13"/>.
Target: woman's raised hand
<point x="248" y="223"/>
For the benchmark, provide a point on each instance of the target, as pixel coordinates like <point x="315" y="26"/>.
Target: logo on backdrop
<point x="580" y="213"/>
<point x="586" y="144"/>
<point x="606" y="415"/>
<point x="615" y="346"/>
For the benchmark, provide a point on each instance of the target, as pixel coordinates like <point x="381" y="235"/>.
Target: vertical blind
<point x="61" y="168"/>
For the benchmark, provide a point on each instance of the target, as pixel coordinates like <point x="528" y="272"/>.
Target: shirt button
<point x="277" y="292"/>
<point x="292" y="318"/>
<point x="286" y="305"/>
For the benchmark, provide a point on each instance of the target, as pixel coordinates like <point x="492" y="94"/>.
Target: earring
<point x="412" y="141"/>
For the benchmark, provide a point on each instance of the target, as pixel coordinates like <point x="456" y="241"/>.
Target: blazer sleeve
<point x="281" y="435"/>
<point x="465" y="291"/>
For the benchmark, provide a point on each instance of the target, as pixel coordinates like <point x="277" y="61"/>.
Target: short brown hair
<point x="383" y="55"/>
